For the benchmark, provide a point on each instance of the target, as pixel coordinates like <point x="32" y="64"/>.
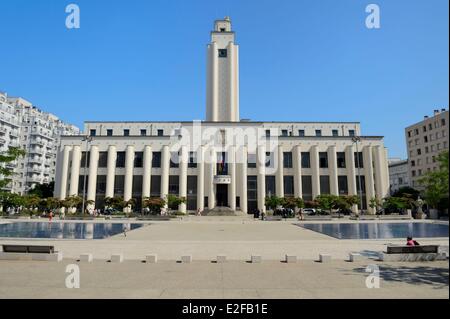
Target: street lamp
<point x="86" y="139"/>
<point x="356" y="139"/>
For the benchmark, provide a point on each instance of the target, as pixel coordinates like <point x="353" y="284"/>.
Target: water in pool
<point x="62" y="230"/>
<point x="379" y="230"/>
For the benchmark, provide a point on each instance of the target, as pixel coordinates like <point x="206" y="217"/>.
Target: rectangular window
<point x="419" y="151"/>
<point x="174" y="184"/>
<point x="160" y="132"/>
<point x="155" y="186"/>
<point x="267" y="133"/>
<point x="318" y="132"/>
<point x="306" y="160"/>
<point x="270" y="159"/>
<point x="288" y="182"/>
<point x="351" y="132"/>
<point x="109" y="132"/>
<point x="252" y="191"/>
<point x="83" y="181"/>
<point x="137" y="186"/>
<point x="156" y="159"/>
<point x="301" y="133"/>
<point x="343" y="185"/>
<point x="119" y="184"/>
<point x="192" y="160"/>
<point x="307" y="187"/>
<point x="143" y="132"/>
<point x="424" y="128"/>
<point x="324" y="184"/>
<point x="271" y="189"/>
<point x="287" y="159"/>
<point x="340" y="157"/>
<point x="251" y="160"/>
<point x="223" y="53"/>
<point x="361" y="190"/>
<point x="85" y="159"/>
<point x="323" y="159"/>
<point x="191" y="203"/>
<point x="101" y="185"/>
<point x="93" y="132"/>
<point x="425" y="139"/>
<point x="359" y="160"/>
<point x="120" y="161"/>
<point x="102" y="159"/>
<point x="284" y="133"/>
<point x="126" y="132"/>
<point x="335" y="133"/>
<point x="442" y="122"/>
<point x="138" y="159"/>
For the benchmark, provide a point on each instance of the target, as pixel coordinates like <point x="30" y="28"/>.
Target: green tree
<point x="154" y="204"/>
<point x="173" y="201"/>
<point x="293" y="202"/>
<point x="327" y="202"/>
<point x="43" y="190"/>
<point x="272" y="202"/>
<point x="12" y="154"/>
<point x="436" y="190"/>
<point x="375" y="203"/>
<point x="73" y="201"/>
<point x="401" y="192"/>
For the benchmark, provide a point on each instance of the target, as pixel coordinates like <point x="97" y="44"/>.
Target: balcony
<point x="14" y="134"/>
<point x="36" y="151"/>
<point x="3" y="130"/>
<point x="34" y="142"/>
<point x="35" y="161"/>
<point x="2" y="140"/>
<point x="35" y="170"/>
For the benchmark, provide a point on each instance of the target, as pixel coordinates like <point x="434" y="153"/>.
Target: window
<point x="85" y="161"/>
<point x="223" y="53"/>
<point x="359" y="160"/>
<point x="109" y="132"/>
<point x="174" y="185"/>
<point x="267" y="133"/>
<point x="413" y="163"/>
<point x="301" y="133"/>
<point x="192" y="160"/>
<point x="287" y="159"/>
<point x="252" y="186"/>
<point x="318" y="132"/>
<point x="416" y="131"/>
<point x="284" y="133"/>
<point x="155" y="186"/>
<point x="413" y="173"/>
<point x="424" y="128"/>
<point x="191" y="203"/>
<point x="324" y="184"/>
<point x="126" y="132"/>
<point x="251" y="160"/>
<point x="138" y="159"/>
<point x="143" y="132"/>
<point x="307" y="187"/>
<point x="430" y="126"/>
<point x="119" y="182"/>
<point x="335" y="133"/>
<point x="160" y="132"/>
<point x="419" y="172"/>
<point x="340" y="157"/>
<point x="409" y="133"/>
<point x="343" y="185"/>
<point x="269" y="159"/>
<point x="442" y="122"/>
<point x="270" y="185"/>
<point x="93" y="132"/>
<point x="174" y="160"/>
<point x="102" y="159"/>
<point x="419" y="151"/>
<point x="306" y="160"/>
<point x="323" y="159"/>
<point x="120" y="162"/>
<point x="288" y="182"/>
<point x="156" y="159"/>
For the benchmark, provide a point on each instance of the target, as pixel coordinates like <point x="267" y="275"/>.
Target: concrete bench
<point x="186" y="259"/>
<point x="324" y="258"/>
<point x="32" y="249"/>
<point x="410" y="253"/>
<point x="290" y="259"/>
<point x="86" y="258"/>
<point x="30" y="252"/>
<point x="256" y="259"/>
<point x="353" y="257"/>
<point x="117" y="258"/>
<point x="221" y="259"/>
<point x="151" y="259"/>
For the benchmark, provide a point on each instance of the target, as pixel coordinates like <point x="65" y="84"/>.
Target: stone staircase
<point x="222" y="211"/>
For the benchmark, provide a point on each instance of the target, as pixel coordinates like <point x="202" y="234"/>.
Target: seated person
<point x="411" y="242"/>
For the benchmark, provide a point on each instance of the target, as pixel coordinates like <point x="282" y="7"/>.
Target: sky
<point x="310" y="60"/>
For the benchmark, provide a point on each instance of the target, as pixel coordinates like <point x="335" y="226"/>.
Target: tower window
<point x="222" y="29"/>
<point x="223" y="53"/>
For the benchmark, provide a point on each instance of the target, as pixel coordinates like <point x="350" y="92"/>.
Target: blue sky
<point x="299" y="60"/>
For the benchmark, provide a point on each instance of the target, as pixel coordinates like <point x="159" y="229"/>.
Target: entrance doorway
<point x="222" y="195"/>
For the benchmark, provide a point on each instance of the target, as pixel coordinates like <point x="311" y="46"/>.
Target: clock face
<point x="222" y="53"/>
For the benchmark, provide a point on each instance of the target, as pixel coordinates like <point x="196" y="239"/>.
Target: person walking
<point x="50" y="216"/>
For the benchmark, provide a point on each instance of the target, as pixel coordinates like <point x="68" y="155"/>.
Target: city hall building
<point x="223" y="163"/>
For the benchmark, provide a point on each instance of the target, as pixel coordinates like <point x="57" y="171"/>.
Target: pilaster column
<point x="243" y="179"/>
<point x="261" y="179"/>
<point x="332" y="169"/>
<point x="351" y="176"/>
<point x="215" y="81"/>
<point x="381" y="186"/>
<point x="297" y="165"/>
<point x="146" y="179"/>
<point x="111" y="171"/>
<point x="280" y="172"/>
<point x="165" y="159"/>
<point x="368" y="169"/>
<point x="201" y="178"/>
<point x="92" y="181"/>
<point x="75" y="171"/>
<point x="232" y="81"/>
<point x="183" y="177"/>
<point x="64" y="172"/>
<point x="212" y="173"/>
<point x="232" y="172"/>
<point x="129" y="164"/>
<point x="315" y="171"/>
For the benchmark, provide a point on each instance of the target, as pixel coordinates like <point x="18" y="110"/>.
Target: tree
<point x="154" y="204"/>
<point x="293" y="202"/>
<point x="436" y="184"/>
<point x="327" y="202"/>
<point x="173" y="201"/>
<point x="43" y="190"/>
<point x="7" y="157"/>
<point x="401" y="192"/>
<point x="395" y="204"/>
<point x="375" y="203"/>
<point x="73" y="201"/>
<point x="272" y="202"/>
<point x="53" y="203"/>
